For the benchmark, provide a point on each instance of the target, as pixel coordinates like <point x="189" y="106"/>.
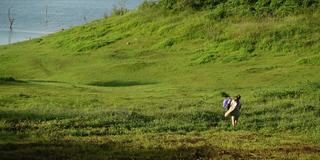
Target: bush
<point x="120" y="8"/>
<point x="257" y="7"/>
<point x="193" y="4"/>
<point x="119" y="11"/>
<point x="7" y="79"/>
<point x="148" y="4"/>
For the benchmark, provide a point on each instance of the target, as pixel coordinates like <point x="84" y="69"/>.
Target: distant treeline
<point x="241" y="7"/>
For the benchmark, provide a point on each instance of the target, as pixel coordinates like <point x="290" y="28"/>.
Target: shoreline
<point x="20" y="35"/>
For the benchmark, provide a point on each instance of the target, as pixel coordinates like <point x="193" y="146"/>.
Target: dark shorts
<point x="235" y="114"/>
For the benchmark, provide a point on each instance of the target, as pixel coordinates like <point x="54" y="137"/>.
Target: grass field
<point x="146" y="85"/>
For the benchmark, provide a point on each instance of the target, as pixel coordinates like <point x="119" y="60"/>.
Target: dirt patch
<point x="299" y="149"/>
<point x="269" y="153"/>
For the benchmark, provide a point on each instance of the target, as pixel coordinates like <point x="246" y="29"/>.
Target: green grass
<point x="147" y="85"/>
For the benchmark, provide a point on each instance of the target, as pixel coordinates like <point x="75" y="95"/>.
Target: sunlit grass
<point x="148" y="84"/>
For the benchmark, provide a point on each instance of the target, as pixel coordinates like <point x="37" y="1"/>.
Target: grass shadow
<point x="119" y="150"/>
<point x="107" y="150"/>
<point x="45" y="81"/>
<point x="10" y="80"/>
<point x="120" y="83"/>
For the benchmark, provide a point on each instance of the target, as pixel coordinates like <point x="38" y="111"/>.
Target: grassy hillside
<point x="147" y="85"/>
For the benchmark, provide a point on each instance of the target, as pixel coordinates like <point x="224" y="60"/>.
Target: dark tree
<point x="11" y="19"/>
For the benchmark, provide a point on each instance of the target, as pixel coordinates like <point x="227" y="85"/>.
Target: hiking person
<point x="234" y="110"/>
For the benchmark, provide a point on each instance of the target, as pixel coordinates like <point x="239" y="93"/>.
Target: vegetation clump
<point x="243" y="7"/>
<point x="7" y="79"/>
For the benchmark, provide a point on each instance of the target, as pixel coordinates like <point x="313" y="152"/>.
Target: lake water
<point x="35" y="18"/>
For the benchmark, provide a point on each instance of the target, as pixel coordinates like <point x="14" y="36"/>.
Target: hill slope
<point x="141" y="43"/>
<point x="147" y="84"/>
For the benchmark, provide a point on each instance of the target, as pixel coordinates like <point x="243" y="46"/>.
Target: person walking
<point x="234" y="110"/>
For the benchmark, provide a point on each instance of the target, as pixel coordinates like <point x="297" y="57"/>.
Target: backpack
<point x="226" y="103"/>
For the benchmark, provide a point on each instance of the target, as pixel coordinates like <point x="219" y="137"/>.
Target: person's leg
<point x="233" y="121"/>
<point x="236" y="118"/>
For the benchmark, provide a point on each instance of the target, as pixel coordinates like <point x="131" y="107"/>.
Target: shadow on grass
<point x="118" y="150"/>
<point x="10" y="80"/>
<point x="45" y="81"/>
<point x="120" y="83"/>
<point x="108" y="150"/>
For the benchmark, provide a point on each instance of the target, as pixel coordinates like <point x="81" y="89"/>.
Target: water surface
<point x="34" y="18"/>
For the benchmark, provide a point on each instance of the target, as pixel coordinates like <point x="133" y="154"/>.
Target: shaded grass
<point x="120" y="84"/>
<point x="6" y="80"/>
<point x="113" y="151"/>
<point x="170" y="146"/>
